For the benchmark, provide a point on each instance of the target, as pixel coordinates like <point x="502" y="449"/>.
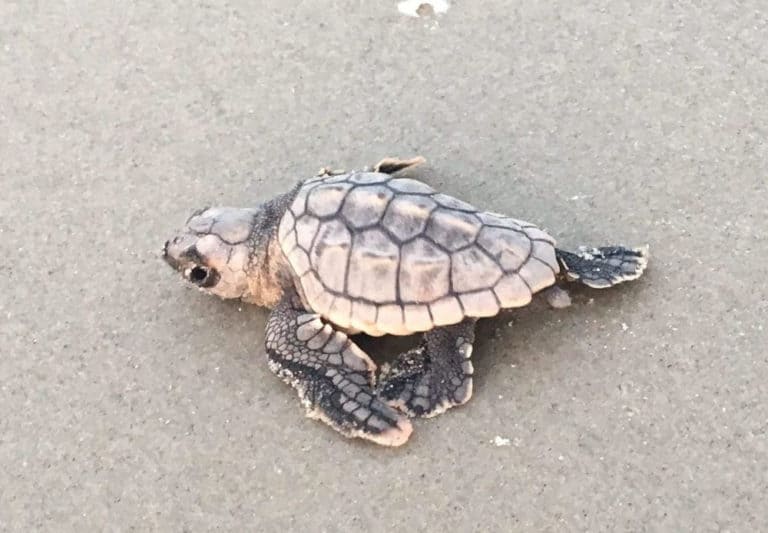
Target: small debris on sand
<point x="419" y="8"/>
<point x="500" y="441"/>
<point x="557" y="298"/>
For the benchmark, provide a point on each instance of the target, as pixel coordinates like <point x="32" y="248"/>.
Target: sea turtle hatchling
<point x="368" y="251"/>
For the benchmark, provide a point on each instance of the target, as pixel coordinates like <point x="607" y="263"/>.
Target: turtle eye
<point x="199" y="275"/>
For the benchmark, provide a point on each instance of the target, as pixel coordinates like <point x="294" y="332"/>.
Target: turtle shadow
<point x="540" y="335"/>
<point x="514" y="336"/>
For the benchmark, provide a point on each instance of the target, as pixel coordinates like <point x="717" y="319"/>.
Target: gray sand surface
<point x="129" y="402"/>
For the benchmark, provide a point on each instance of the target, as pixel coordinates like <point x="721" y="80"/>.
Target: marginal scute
<point x="537" y="274"/>
<point x="286" y="226"/>
<point x="374" y="331"/>
<point x="480" y="303"/>
<point x="512" y="291"/>
<point x="446" y="311"/>
<point x="407" y="185"/>
<point x="407" y="215"/>
<point x="494" y="219"/>
<point x="326" y="199"/>
<point x="312" y="286"/>
<point x="453" y="203"/>
<point x="323" y="303"/>
<point x="373" y="267"/>
<point x="368" y="177"/>
<point x="365" y="206"/>
<point x="535" y="233"/>
<point x="545" y="252"/>
<point x="417" y="317"/>
<point x="288" y="242"/>
<point x="340" y="311"/>
<point x="472" y="270"/>
<point x="363" y="315"/>
<point x="452" y="229"/>
<point x="330" y="252"/>
<point x="390" y="319"/>
<point x="519" y="222"/>
<point x="306" y="229"/>
<point x="336" y="178"/>
<point x="299" y="204"/>
<point x="424" y="272"/>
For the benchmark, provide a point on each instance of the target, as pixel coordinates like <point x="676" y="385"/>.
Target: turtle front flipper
<point x="390" y="165"/>
<point x="604" y="267"/>
<point x="433" y="377"/>
<point x="333" y="376"/>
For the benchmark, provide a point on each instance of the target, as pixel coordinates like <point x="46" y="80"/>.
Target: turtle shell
<point x="387" y="255"/>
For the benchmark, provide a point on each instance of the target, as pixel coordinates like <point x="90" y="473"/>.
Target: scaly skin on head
<point x="233" y="252"/>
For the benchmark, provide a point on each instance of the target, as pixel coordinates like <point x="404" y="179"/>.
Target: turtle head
<point x="213" y="251"/>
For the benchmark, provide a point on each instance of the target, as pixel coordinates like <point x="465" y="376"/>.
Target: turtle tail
<point x="603" y="267"/>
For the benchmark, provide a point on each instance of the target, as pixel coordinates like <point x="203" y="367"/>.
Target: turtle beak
<point x="173" y="263"/>
<point x="171" y="255"/>
<point x="165" y="251"/>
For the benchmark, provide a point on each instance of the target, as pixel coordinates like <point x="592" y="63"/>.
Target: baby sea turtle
<point x="367" y="251"/>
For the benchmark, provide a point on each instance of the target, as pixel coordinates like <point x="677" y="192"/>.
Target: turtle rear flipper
<point x="333" y="376"/>
<point x="433" y="377"/>
<point x="604" y="267"/>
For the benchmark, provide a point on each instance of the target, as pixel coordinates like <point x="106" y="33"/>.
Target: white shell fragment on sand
<point x="417" y="8"/>
<point x="500" y="441"/>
